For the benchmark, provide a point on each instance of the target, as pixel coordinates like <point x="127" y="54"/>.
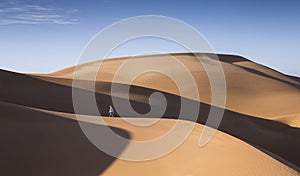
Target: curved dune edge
<point x="292" y="120"/>
<point x="223" y="155"/>
<point x="37" y="143"/>
<point x="252" y="89"/>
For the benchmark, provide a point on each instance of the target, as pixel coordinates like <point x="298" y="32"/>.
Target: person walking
<point x="111" y="111"/>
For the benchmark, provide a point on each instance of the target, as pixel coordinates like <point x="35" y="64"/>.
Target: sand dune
<point x="262" y="110"/>
<point x="291" y="119"/>
<point x="35" y="143"/>
<point x="224" y="155"/>
<point x="53" y="145"/>
<point x="251" y="88"/>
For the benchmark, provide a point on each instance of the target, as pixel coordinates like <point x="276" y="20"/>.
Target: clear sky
<point x="42" y="36"/>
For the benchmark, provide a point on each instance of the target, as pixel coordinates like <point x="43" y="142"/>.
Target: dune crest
<point x="258" y="133"/>
<point x="252" y="89"/>
<point x="292" y="119"/>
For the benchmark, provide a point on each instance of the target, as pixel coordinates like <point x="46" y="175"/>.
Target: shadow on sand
<point x="274" y="138"/>
<point x="35" y="143"/>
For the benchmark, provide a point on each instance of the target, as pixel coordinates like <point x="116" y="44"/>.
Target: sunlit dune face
<point x="252" y="89"/>
<point x="129" y="123"/>
<point x="158" y="80"/>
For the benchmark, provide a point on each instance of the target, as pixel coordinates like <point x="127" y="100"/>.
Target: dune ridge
<point x="223" y="152"/>
<point x="261" y="99"/>
<point x="264" y="115"/>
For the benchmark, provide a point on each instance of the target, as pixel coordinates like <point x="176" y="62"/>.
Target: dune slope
<point x="37" y="142"/>
<point x="262" y="110"/>
<point x="252" y="89"/>
<point x="274" y="137"/>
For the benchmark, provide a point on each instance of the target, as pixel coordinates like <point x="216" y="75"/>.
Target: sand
<point x="252" y="89"/>
<point x="53" y="145"/>
<point x="258" y="134"/>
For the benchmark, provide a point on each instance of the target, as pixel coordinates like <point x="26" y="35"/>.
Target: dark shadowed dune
<point x="35" y="143"/>
<point x="252" y="88"/>
<point x="223" y="57"/>
<point x="254" y="71"/>
<point x="272" y="137"/>
<point x="295" y="78"/>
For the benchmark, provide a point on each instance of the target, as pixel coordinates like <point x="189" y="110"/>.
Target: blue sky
<point x="42" y="36"/>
